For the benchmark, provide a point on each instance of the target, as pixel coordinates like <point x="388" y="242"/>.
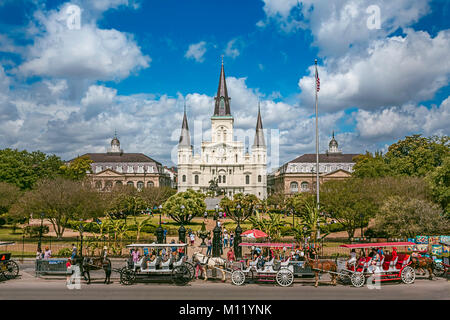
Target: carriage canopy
<point x="156" y="245"/>
<point x="377" y="245"/>
<point x="266" y="244"/>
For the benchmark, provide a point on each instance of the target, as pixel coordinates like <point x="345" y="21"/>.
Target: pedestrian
<point x="107" y="267"/>
<point x="69" y="271"/>
<point x="192" y="237"/>
<point x="220" y="215"/>
<point x="165" y="233"/>
<point x="39" y="254"/>
<point x="205" y="215"/>
<point x="230" y="255"/>
<point x="74" y="252"/>
<point x="231" y="239"/>
<point x="136" y="255"/>
<point x="224" y="214"/>
<point x="208" y="251"/>
<point x="225" y="238"/>
<point x="47" y="253"/>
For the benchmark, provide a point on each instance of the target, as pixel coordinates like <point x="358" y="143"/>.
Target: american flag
<point x="317" y="81"/>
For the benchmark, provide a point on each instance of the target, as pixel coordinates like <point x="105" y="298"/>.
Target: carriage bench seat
<point x="389" y="262"/>
<point x="166" y="265"/>
<point x="402" y="260"/>
<point x="285" y="263"/>
<point x="178" y="263"/>
<point x="151" y="265"/>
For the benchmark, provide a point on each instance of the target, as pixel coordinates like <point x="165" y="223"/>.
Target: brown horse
<point x="322" y="266"/>
<point x="422" y="263"/>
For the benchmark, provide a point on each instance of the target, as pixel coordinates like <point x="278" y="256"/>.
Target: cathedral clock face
<point x="221" y="151"/>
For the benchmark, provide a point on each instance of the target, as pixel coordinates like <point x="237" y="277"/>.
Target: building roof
<point x="122" y="157"/>
<point x="325" y="158"/>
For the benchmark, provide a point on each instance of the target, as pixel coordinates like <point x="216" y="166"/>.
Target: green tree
<point x="193" y="202"/>
<point x="9" y="194"/>
<point x="77" y="169"/>
<point x="405" y="217"/>
<point x="371" y="166"/>
<point x="24" y="168"/>
<point x="60" y="200"/>
<point x="348" y="202"/>
<point x="439" y="182"/>
<point x="247" y="203"/>
<point x="271" y="225"/>
<point x="127" y="201"/>
<point x="416" y="155"/>
<point x="156" y="196"/>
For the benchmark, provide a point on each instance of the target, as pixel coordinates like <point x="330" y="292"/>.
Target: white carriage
<point x="171" y="266"/>
<point x="275" y="270"/>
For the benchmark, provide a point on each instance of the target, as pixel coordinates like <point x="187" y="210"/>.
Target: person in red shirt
<point x="69" y="270"/>
<point x="230" y="255"/>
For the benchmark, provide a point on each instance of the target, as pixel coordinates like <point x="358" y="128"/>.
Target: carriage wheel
<point x="344" y="277"/>
<point x="181" y="275"/>
<point x="191" y="268"/>
<point x="438" y="270"/>
<point x="284" y="277"/>
<point x="238" y="277"/>
<point x="127" y="276"/>
<point x="11" y="270"/>
<point x="357" y="279"/>
<point x="408" y="275"/>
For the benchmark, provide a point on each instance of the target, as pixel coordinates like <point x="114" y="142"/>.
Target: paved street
<point x="30" y="287"/>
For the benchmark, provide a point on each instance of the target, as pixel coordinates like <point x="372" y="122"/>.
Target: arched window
<point x="305" y="186"/>
<point x="130" y="183"/>
<point x="236" y="158"/>
<point x="108" y="184"/>
<point x="98" y="184"/>
<point x="150" y="184"/>
<point x="119" y="183"/>
<point x="224" y="179"/>
<point x="247" y="179"/>
<point x="294" y="187"/>
<point x="220" y="179"/>
<point x="184" y="178"/>
<point x="259" y="178"/>
<point x="196" y="179"/>
<point x="140" y="185"/>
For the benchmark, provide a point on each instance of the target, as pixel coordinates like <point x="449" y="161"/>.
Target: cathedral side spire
<point x="185" y="139"/>
<point x="259" y="135"/>
<point x="222" y="104"/>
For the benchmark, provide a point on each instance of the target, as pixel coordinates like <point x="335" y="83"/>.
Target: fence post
<point x="23" y="246"/>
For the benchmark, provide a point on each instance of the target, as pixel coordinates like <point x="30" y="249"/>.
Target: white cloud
<point x="232" y="48"/>
<point x="196" y="51"/>
<point x="393" y="71"/>
<point x="340" y="25"/>
<point x="89" y="53"/>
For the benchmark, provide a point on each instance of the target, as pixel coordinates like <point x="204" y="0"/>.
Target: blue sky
<point x="133" y="64"/>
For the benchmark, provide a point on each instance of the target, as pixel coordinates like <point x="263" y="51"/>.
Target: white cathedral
<point x="223" y="158"/>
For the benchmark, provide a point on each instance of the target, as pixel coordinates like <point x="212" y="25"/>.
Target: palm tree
<point x="139" y="225"/>
<point x="271" y="226"/>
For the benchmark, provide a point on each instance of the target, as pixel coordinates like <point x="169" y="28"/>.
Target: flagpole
<point x="317" y="142"/>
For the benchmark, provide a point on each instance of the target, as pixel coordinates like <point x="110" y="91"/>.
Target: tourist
<point x="107" y="267"/>
<point x="136" y="255"/>
<point x="174" y="249"/>
<point x="74" y="252"/>
<point x="208" y="251"/>
<point x="352" y="259"/>
<point x="47" y="253"/>
<point x="39" y="254"/>
<point x="165" y="233"/>
<point x="231" y="239"/>
<point x="394" y="253"/>
<point x="205" y="215"/>
<point x="69" y="271"/>
<point x="225" y="238"/>
<point x="192" y="237"/>
<point x="230" y="255"/>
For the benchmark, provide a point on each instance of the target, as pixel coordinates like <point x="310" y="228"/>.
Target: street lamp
<point x="217" y="212"/>
<point x="237" y="234"/>
<point x="159" y="231"/>
<point x="182" y="230"/>
<point x="40" y="232"/>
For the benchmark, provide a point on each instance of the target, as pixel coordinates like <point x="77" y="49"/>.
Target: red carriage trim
<point x="377" y="244"/>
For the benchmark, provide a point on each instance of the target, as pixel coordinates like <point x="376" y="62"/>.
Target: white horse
<point x="211" y="263"/>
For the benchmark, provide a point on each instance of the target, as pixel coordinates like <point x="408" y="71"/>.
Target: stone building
<point x="223" y="158"/>
<point x="116" y="167"/>
<point x="299" y="175"/>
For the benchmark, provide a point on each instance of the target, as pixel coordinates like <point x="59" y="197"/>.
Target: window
<point x="224" y="179"/>
<point x="108" y="184"/>
<point x="119" y="169"/>
<point x="150" y="184"/>
<point x="305" y="186"/>
<point x="196" y="179"/>
<point x="98" y="169"/>
<point x="130" y="169"/>
<point x="247" y="179"/>
<point x="140" y="169"/>
<point x="98" y="184"/>
<point x="214" y="171"/>
<point x="220" y="179"/>
<point x="130" y="183"/>
<point x="119" y="183"/>
<point x="259" y="178"/>
<point x="184" y="178"/>
<point x="140" y="185"/>
<point x="236" y="158"/>
<point x="294" y="187"/>
<point x="230" y="171"/>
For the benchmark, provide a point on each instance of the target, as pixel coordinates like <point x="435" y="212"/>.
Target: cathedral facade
<point x="223" y="159"/>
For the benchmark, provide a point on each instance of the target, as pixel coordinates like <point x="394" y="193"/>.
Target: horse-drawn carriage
<point x="276" y="270"/>
<point x="158" y="266"/>
<point x="9" y="269"/>
<point x="387" y="268"/>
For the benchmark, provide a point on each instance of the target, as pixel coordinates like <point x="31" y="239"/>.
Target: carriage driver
<point x="352" y="259"/>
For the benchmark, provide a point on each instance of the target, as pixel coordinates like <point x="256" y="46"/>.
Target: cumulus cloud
<point x="393" y="71"/>
<point x="343" y="24"/>
<point x="196" y="51"/>
<point x="88" y="53"/>
<point x="232" y="49"/>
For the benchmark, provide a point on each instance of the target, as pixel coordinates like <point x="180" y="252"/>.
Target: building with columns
<point x="116" y="167"/>
<point x="223" y="158"/>
<point x="299" y="175"/>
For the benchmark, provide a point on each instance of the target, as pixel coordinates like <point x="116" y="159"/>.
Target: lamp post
<point x="182" y="230"/>
<point x="217" y="212"/>
<point x="80" y="261"/>
<point x="237" y="234"/>
<point x="40" y="232"/>
<point x="159" y="232"/>
<point x="217" y="241"/>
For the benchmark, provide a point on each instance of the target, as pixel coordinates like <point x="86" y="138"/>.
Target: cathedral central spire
<point x="185" y="139"/>
<point x="222" y="105"/>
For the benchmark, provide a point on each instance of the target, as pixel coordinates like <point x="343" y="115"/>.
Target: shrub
<point x="34" y="231"/>
<point x="2" y="221"/>
<point x="66" y="252"/>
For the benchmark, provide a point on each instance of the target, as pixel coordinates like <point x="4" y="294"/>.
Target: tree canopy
<point x="193" y="202"/>
<point x="77" y="169"/>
